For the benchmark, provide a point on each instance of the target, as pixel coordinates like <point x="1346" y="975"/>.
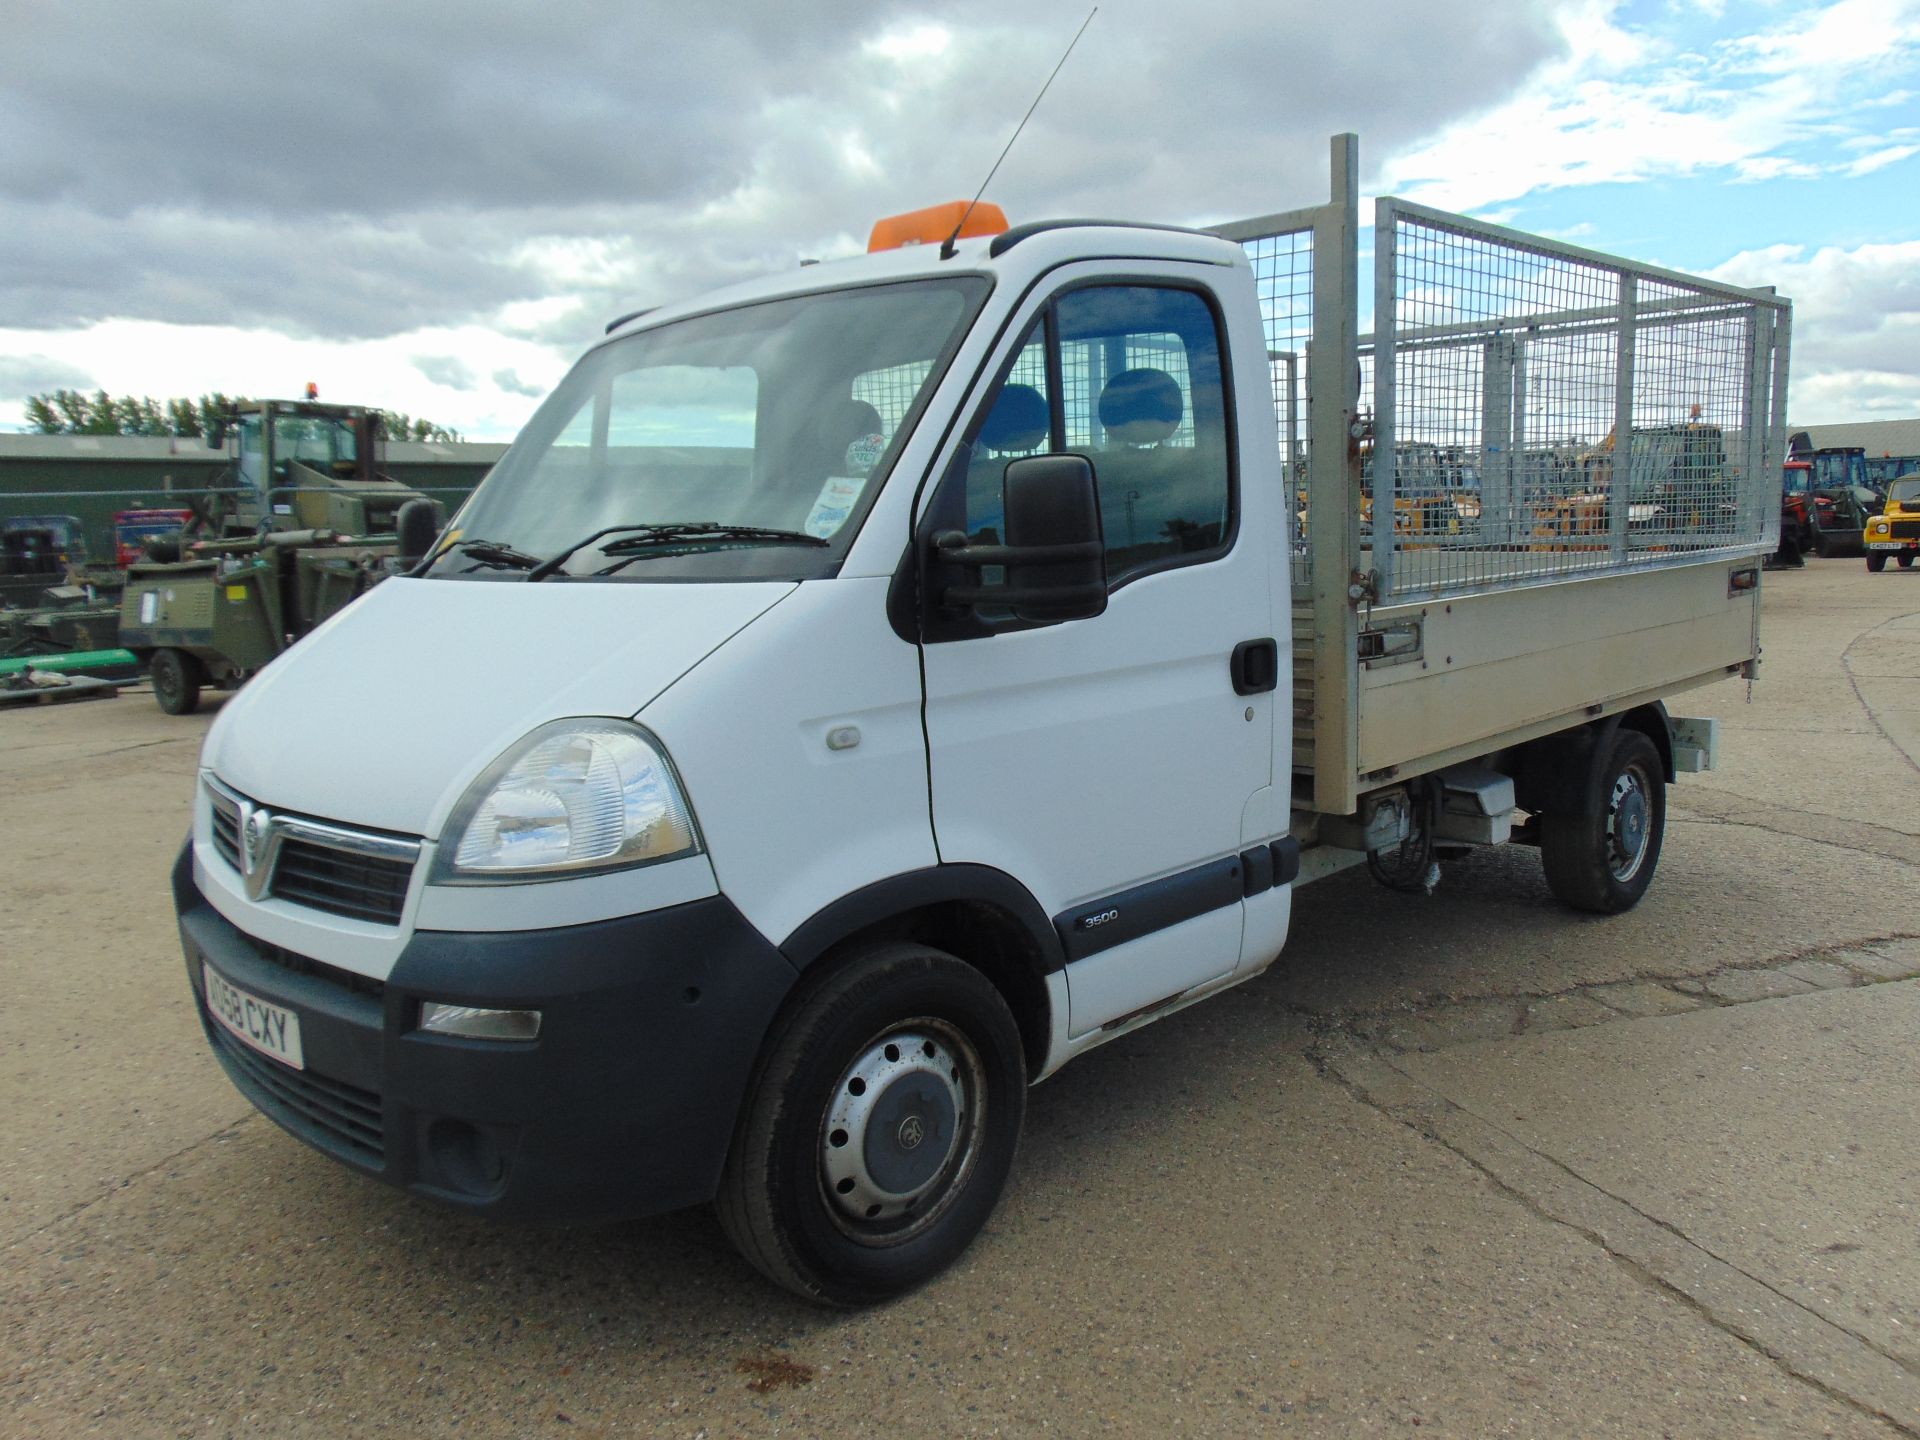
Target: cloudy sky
<point x="433" y="206"/>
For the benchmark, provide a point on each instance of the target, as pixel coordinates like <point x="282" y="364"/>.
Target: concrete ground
<point x="1465" y="1164"/>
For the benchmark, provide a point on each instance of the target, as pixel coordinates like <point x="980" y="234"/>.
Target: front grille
<point x="1905" y="529"/>
<point x="226" y="830"/>
<point x="334" y="1115"/>
<point x="362" y="887"/>
<point x="361" y="874"/>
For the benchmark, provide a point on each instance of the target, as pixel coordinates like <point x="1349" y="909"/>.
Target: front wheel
<point x="880" y="1130"/>
<point x="1602" y="859"/>
<point x="1876" y="562"/>
<point x="176" y="681"/>
<point x="1906" y="560"/>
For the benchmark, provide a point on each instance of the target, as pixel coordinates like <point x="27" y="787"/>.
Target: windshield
<point x="1689" y="460"/>
<point x="1905" y="490"/>
<point x="1834" y="468"/>
<point x="779" y="417"/>
<point x="325" y="444"/>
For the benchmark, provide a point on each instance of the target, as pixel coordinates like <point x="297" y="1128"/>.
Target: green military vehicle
<point x="304" y="524"/>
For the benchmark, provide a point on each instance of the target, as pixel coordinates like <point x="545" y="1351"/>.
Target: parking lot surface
<point x="1465" y="1164"/>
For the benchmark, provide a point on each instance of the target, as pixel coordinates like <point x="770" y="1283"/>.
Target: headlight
<point x="574" y="796"/>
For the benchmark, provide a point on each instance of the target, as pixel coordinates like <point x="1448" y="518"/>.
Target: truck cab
<point x="303" y="464"/>
<point x="302" y="524"/>
<point x="756" y="720"/>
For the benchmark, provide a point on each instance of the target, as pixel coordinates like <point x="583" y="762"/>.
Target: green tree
<point x="183" y="418"/>
<point x="76" y="412"/>
<point x="42" y="417"/>
<point x="72" y="412"/>
<point x="397" y="425"/>
<point x="138" y="416"/>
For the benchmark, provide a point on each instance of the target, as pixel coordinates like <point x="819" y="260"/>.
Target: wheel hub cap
<point x="1629" y="814"/>
<point x="892" y="1129"/>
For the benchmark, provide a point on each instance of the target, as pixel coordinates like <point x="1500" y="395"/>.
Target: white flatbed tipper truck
<point x="860" y="691"/>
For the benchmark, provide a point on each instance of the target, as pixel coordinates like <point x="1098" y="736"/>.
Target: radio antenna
<point x="946" y="250"/>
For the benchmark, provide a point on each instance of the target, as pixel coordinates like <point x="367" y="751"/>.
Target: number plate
<point x="270" y="1029"/>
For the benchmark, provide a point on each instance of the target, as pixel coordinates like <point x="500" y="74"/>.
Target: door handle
<point x="1255" y="666"/>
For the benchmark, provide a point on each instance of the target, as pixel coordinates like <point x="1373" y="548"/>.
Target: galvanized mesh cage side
<point x="1553" y="412"/>
<point x="1283" y="278"/>
<point x="891" y="391"/>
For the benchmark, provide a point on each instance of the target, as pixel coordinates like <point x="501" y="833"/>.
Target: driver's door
<point x="1106" y="762"/>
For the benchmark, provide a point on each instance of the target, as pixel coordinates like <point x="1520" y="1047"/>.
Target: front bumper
<point x="624" y="1105"/>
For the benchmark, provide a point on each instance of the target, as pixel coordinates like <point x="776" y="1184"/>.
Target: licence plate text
<point x="270" y="1029"/>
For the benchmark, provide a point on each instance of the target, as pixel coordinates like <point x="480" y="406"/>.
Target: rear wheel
<point x="1906" y="560"/>
<point x="1876" y="562"/>
<point x="1603" y="859"/>
<point x="176" y="681"/>
<point x="880" y="1130"/>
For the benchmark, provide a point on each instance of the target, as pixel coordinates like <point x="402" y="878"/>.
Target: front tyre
<point x="880" y="1130"/>
<point x="1876" y="561"/>
<point x="1602" y="859"/>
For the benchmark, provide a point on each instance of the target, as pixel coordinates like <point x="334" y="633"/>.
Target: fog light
<point x="471" y="1022"/>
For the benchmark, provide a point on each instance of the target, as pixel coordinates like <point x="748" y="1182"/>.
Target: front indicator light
<point x="473" y="1022"/>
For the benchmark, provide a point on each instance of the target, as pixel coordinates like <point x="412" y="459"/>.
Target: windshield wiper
<point x="492" y="552"/>
<point x="643" y="537"/>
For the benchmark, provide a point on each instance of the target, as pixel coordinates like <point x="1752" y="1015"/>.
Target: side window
<point x="251" y="452"/>
<point x="1017" y="423"/>
<point x="1144" y="401"/>
<point x="1138" y="376"/>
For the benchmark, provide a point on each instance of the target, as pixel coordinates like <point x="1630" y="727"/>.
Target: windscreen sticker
<point x="836" y="502"/>
<point x="863" y="454"/>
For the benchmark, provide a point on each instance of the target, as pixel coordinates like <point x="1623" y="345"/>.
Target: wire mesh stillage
<point x="1550" y="411"/>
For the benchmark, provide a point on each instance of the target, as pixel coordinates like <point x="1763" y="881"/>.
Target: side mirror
<point x="1055" y="556"/>
<point x="416" y="526"/>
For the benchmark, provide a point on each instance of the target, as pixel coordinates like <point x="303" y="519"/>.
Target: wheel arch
<point x="1653" y="722"/>
<point x="1554" y="769"/>
<point x="978" y="914"/>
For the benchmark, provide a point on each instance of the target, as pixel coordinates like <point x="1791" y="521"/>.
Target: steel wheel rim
<point x="1629" y="824"/>
<point x="873" y="1120"/>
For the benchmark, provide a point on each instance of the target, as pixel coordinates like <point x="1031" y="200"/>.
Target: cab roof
<point x="1018" y="256"/>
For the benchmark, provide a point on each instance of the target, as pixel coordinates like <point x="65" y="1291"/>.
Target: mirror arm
<point x="951" y="547"/>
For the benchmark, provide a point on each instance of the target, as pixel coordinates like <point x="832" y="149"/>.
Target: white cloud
<point x="912" y="44"/>
<point x="139" y="357"/>
<point x="1846" y="34"/>
<point x="1880" y="159"/>
<point x="1856" y="326"/>
<point x="1621" y="107"/>
<point x="492" y="193"/>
